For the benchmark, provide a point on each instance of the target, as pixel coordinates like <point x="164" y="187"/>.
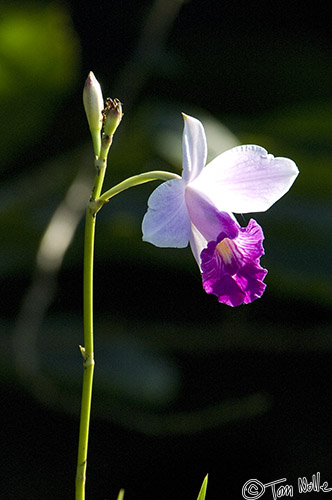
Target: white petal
<point x="246" y="179"/>
<point x="194" y="148"/>
<point x="197" y="244"/>
<point x="167" y="223"/>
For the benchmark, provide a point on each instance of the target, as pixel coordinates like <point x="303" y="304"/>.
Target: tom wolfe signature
<point x="254" y="489"/>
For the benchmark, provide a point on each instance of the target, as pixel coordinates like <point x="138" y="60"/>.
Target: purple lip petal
<point x="230" y="266"/>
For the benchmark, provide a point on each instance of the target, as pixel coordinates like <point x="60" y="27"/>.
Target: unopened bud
<point x="112" y="115"/>
<point x="94" y="105"/>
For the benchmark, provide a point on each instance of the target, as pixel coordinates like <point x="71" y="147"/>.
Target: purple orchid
<point x="198" y="208"/>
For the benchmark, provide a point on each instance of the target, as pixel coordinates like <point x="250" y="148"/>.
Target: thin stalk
<point x="88" y="355"/>
<point x="88" y="349"/>
<point x="136" y="180"/>
<point x="94" y="205"/>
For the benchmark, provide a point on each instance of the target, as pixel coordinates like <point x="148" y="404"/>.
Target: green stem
<point x="95" y="203"/>
<point x="87" y="353"/>
<point x="136" y="180"/>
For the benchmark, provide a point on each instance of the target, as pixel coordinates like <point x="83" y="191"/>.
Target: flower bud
<point x="93" y="105"/>
<point x="112" y="115"/>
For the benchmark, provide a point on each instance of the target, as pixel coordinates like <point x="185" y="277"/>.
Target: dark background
<point x="184" y="386"/>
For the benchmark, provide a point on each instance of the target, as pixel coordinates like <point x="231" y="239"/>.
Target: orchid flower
<point x="198" y="208"/>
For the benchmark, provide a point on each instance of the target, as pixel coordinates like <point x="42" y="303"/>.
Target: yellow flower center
<point x="225" y="250"/>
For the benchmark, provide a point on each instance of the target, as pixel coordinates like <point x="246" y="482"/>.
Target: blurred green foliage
<point x="39" y="63"/>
